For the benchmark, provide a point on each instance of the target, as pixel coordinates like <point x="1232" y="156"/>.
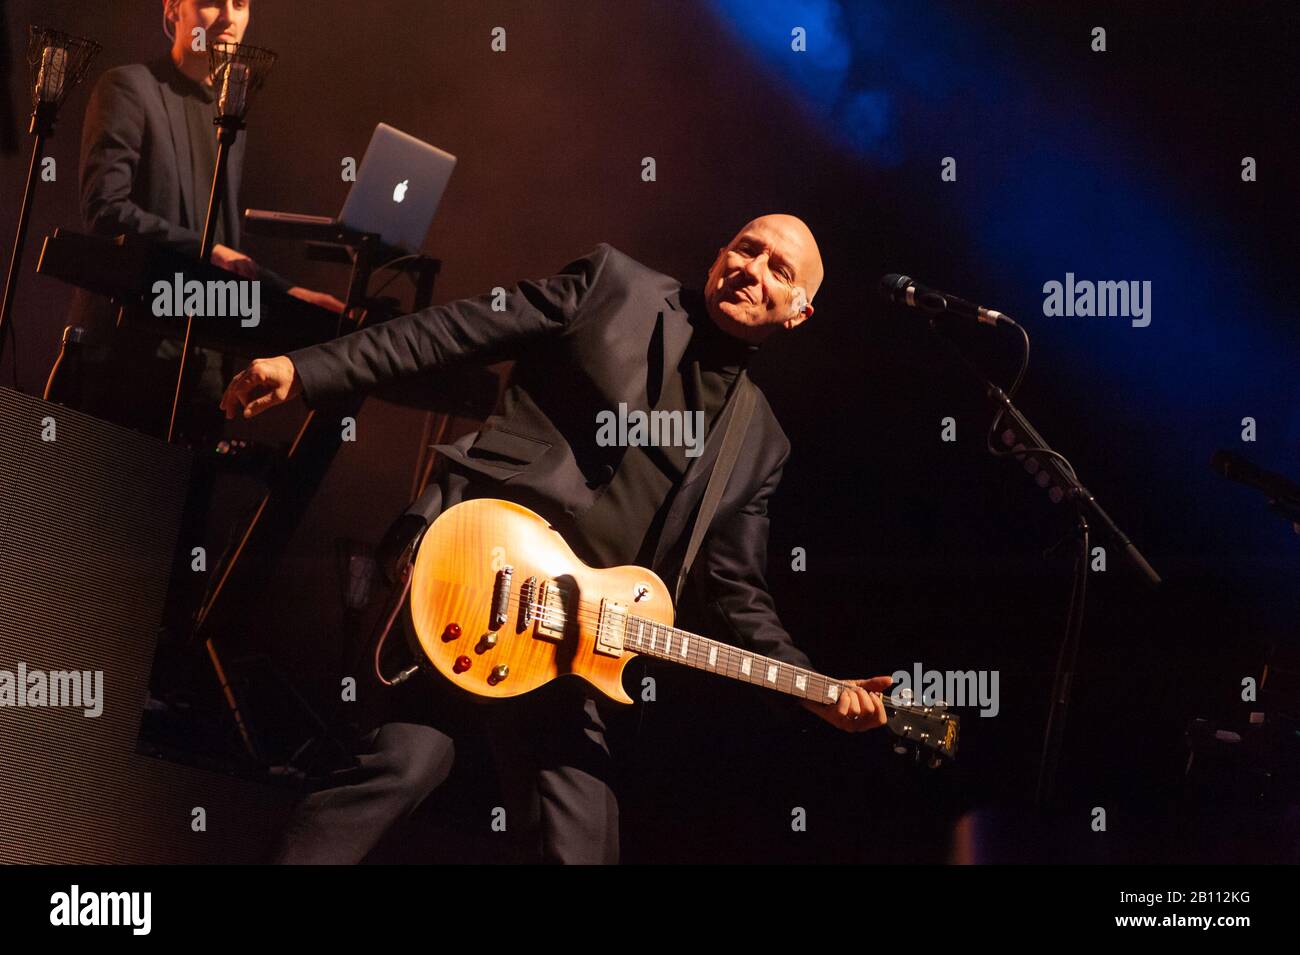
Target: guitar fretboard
<point x="689" y="649"/>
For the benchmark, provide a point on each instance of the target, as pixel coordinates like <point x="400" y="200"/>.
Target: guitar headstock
<point x="930" y="727"/>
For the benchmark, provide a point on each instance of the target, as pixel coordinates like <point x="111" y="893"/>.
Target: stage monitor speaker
<point x="89" y="518"/>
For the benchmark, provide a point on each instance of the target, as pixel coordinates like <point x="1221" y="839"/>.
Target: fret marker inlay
<point x="771" y="673"/>
<point x="713" y="656"/>
<point x="745" y="666"/>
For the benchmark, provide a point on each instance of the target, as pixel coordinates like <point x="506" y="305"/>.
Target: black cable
<point x="338" y="327"/>
<point x="388" y="265"/>
<point x="1015" y="385"/>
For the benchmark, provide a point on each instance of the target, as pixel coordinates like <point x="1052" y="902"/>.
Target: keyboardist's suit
<point x="135" y="161"/>
<point x="596" y="335"/>
<point x="136" y="179"/>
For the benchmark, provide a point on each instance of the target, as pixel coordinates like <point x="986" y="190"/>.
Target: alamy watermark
<point x="638" y="429"/>
<point x="75" y="907"/>
<point x="77" y="688"/>
<point x="951" y="687"/>
<point x="233" y="298"/>
<point x="1104" y="299"/>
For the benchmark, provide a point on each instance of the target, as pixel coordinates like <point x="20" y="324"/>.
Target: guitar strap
<point x="744" y="398"/>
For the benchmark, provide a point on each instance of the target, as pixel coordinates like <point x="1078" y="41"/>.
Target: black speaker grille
<point x="88" y="528"/>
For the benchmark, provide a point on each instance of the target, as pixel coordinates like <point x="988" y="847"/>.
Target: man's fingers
<point x="877" y="684"/>
<point x="880" y="717"/>
<point x="855" y="704"/>
<point x="241" y="388"/>
<point x="873" y="712"/>
<point x="868" y="718"/>
<point x="257" y="406"/>
<point x="234" y="396"/>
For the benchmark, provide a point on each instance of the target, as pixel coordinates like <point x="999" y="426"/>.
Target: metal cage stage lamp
<point x="58" y="62"/>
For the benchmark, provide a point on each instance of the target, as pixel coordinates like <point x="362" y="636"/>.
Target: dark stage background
<point x="1117" y="165"/>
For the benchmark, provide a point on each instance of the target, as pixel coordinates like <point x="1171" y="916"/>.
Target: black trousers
<point x="552" y="759"/>
<point x="554" y="765"/>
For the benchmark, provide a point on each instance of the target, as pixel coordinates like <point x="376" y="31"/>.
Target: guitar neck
<point x="689" y="649"/>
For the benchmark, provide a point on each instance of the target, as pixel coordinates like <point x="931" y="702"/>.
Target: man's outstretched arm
<point x="734" y="562"/>
<point x="468" y="329"/>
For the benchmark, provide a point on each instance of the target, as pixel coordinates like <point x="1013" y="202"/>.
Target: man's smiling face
<point x="221" y="20"/>
<point x="764" y="279"/>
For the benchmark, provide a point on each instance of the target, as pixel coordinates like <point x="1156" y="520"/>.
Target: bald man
<point x="605" y="336"/>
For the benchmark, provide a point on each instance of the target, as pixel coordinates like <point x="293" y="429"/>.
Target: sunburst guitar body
<point x="501" y="606"/>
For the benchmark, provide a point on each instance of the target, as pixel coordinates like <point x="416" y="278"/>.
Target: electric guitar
<point x="501" y="606"/>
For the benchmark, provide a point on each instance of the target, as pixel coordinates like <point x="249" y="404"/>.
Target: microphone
<point x="905" y="290"/>
<point x="51" y="75"/>
<point x="233" y="98"/>
<point x="1236" y="468"/>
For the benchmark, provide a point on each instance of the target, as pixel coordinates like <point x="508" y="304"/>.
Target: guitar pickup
<point x="549" y="612"/>
<point x="610" y="629"/>
<point x="527" y="601"/>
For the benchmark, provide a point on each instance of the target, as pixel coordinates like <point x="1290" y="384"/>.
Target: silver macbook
<point x="398" y="188"/>
<point x="397" y="192"/>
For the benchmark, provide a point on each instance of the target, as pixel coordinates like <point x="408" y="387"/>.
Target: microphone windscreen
<point x="53" y="71"/>
<point x="892" y="285"/>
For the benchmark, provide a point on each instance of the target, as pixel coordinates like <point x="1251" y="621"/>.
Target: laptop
<point x="396" y="195"/>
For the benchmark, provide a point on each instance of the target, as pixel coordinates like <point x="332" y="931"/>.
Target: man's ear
<point x="799" y="319"/>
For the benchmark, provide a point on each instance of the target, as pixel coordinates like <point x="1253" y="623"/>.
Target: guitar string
<point x="592" y="615"/>
<point x="550" y="615"/>
<point x="557" y="616"/>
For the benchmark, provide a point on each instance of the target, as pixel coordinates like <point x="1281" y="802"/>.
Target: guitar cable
<point x="398" y="604"/>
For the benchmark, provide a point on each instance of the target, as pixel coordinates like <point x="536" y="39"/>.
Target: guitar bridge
<point x="501" y="597"/>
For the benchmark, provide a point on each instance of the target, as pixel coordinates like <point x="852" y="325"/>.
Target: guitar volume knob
<point x="499" y="673"/>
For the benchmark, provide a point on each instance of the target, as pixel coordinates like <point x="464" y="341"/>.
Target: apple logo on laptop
<point x="399" y="192"/>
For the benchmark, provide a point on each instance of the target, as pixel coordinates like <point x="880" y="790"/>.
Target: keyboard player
<point x="148" y="151"/>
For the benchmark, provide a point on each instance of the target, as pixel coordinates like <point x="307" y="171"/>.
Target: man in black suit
<point x="148" y="151"/>
<point x="604" y="333"/>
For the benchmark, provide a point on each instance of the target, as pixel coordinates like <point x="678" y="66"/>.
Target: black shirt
<point x="624" y="524"/>
<point x="199" y="114"/>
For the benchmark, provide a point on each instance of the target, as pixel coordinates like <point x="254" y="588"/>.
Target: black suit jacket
<point x="602" y="331"/>
<point x="135" y="161"/>
<point x="135" y="171"/>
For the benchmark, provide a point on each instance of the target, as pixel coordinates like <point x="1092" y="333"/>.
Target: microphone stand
<point x="228" y="128"/>
<point x="1085" y="505"/>
<point x="59" y="62"/>
<point x="42" y="127"/>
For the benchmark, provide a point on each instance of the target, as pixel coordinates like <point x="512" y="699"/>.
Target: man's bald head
<point x="765" y="278"/>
